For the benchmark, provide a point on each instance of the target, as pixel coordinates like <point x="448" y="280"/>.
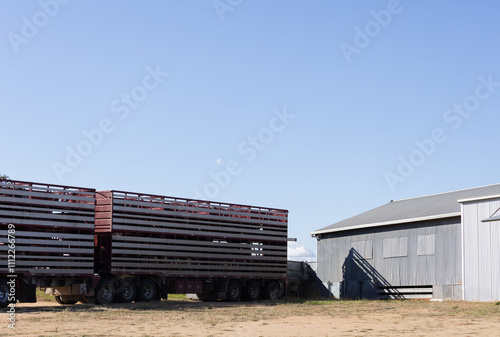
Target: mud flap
<point x="26" y="293"/>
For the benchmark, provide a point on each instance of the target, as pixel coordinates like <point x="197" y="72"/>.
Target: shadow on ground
<point x="141" y="306"/>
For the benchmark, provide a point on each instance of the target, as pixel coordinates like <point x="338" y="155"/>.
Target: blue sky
<point x="324" y="108"/>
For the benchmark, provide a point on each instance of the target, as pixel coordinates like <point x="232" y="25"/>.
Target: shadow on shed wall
<point x="360" y="279"/>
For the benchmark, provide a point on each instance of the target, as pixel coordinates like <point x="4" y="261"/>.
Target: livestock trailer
<point x="47" y="238"/>
<point x="84" y="245"/>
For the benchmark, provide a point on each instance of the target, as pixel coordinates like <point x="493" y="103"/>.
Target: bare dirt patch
<point x="286" y="318"/>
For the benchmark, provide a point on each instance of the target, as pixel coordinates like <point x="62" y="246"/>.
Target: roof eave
<point x="385" y="223"/>
<point x="463" y="201"/>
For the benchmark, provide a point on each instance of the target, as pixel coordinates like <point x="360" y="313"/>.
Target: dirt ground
<point x="284" y="318"/>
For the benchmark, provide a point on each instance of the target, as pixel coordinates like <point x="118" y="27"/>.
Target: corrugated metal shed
<point x="481" y="249"/>
<point x="415" y="248"/>
<point x="366" y="262"/>
<point x="437" y="206"/>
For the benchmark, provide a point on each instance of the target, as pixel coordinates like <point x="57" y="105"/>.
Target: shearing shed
<point x="442" y="246"/>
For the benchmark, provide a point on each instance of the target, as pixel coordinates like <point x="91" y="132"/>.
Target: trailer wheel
<point x="105" y="292"/>
<point x="147" y="290"/>
<point x="208" y="296"/>
<point x="61" y="300"/>
<point x="127" y="291"/>
<point x="4" y="294"/>
<point x="272" y="290"/>
<point x="233" y="291"/>
<point x="252" y="291"/>
<point x="88" y="300"/>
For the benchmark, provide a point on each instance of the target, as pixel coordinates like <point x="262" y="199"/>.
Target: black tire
<point x="127" y="292"/>
<point x="272" y="290"/>
<point x="64" y="301"/>
<point x="147" y="290"/>
<point x="210" y="296"/>
<point x="59" y="300"/>
<point x="252" y="291"/>
<point x="233" y="291"/>
<point x="88" y="300"/>
<point x="105" y="292"/>
<point x="4" y="294"/>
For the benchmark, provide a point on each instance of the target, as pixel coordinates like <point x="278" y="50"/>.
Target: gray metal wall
<point x="481" y="251"/>
<point x="417" y="254"/>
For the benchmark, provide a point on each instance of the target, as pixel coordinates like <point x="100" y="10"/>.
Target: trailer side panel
<point x="53" y="229"/>
<point x="183" y="238"/>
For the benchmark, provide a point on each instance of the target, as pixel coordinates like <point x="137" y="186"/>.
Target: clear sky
<point x="325" y="108"/>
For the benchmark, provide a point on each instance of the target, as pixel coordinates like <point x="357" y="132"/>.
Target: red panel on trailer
<point x="198" y="287"/>
<point x="104" y="212"/>
<point x="180" y="287"/>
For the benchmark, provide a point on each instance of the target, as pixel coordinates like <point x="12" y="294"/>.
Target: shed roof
<point x="436" y="206"/>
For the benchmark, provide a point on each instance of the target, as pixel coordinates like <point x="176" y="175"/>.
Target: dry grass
<point x="182" y="317"/>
